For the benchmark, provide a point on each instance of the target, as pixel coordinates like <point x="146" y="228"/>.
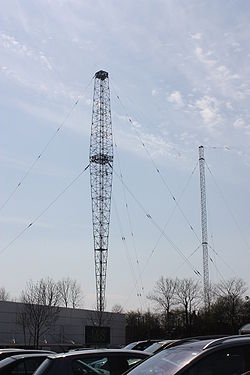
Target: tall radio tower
<point x="101" y="173"/>
<point x="204" y="226"/>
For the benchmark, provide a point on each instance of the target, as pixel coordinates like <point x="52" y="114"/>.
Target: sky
<point x="179" y="75"/>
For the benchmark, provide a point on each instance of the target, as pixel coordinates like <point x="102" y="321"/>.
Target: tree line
<point x="64" y="293"/>
<point x="179" y="310"/>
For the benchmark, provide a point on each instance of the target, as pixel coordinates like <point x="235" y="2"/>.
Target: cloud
<point x="29" y="67"/>
<point x="159" y="147"/>
<point x="224" y="74"/>
<point x="155" y="92"/>
<point x="205" y="58"/>
<point x="240" y="124"/>
<point x="45" y="61"/>
<point x="219" y="76"/>
<point x="196" y="36"/>
<point x="208" y="107"/>
<point x="176" y="99"/>
<point x="144" y="143"/>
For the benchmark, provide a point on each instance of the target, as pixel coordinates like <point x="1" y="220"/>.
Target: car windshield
<point x="167" y="362"/>
<point x="152" y="348"/>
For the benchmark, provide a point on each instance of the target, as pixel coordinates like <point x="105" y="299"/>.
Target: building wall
<point x="68" y="331"/>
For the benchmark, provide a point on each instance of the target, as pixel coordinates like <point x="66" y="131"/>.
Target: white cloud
<point x="159" y="147"/>
<point x="229" y="106"/>
<point x="208" y="108"/>
<point x="9" y="42"/>
<point x="241" y="124"/>
<point x="223" y="73"/>
<point x="140" y="142"/>
<point x="205" y="58"/>
<point x="135" y="124"/>
<point x="45" y="61"/>
<point x="176" y="99"/>
<point x="196" y="36"/>
<point x="143" y="144"/>
<point x="219" y="76"/>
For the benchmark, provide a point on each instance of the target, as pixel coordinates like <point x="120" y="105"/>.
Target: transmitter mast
<point x="204" y="227"/>
<point x="101" y="174"/>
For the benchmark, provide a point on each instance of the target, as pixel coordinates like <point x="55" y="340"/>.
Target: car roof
<point x="229" y="340"/>
<point x="186" y="340"/>
<point x="29" y="355"/>
<point x="6" y="350"/>
<point x="100" y="352"/>
<point x="195" y="345"/>
<point x="17" y="350"/>
<point x="200" y="345"/>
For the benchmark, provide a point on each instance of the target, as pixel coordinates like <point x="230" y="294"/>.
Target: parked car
<point x="91" y="362"/>
<point x="7" y="352"/>
<point x="24" y="364"/>
<point x="223" y="356"/>
<point x="245" y="329"/>
<point x="160" y="345"/>
<point x="140" y="345"/>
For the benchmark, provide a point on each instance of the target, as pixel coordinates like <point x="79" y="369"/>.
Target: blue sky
<point x="181" y="71"/>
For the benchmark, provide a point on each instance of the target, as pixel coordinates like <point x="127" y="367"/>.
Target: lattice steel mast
<point x="101" y="173"/>
<point x="204" y="227"/>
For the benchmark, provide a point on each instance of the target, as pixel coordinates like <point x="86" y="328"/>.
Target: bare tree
<point x="117" y="308"/>
<point x="64" y="290"/>
<point x="70" y="293"/>
<point x="230" y="295"/>
<point x="164" y="293"/>
<point x="234" y="288"/>
<point x="188" y="296"/>
<point x="40" y="309"/>
<point x="164" y="297"/>
<point x="4" y="295"/>
<point x="76" y="296"/>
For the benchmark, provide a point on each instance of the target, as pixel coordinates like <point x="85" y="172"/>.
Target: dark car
<point x="24" y="364"/>
<point x="224" y="356"/>
<point x="91" y="362"/>
<point x="4" y="353"/>
<point x="160" y="345"/>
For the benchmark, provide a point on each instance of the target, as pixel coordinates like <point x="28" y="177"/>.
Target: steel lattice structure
<point x="204" y="226"/>
<point x="101" y="173"/>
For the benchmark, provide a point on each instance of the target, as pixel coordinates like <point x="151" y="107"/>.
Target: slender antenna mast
<point x="101" y="173"/>
<point x="204" y="227"/>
